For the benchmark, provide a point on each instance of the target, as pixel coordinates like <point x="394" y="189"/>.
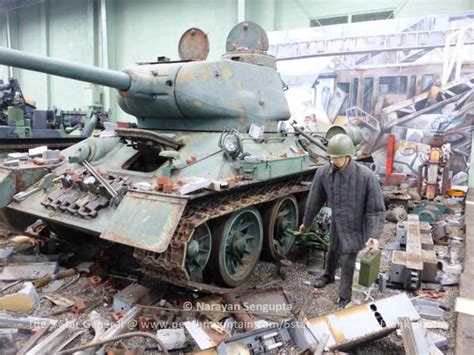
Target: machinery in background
<point x="433" y="174"/>
<point x="11" y="95"/>
<point x="22" y="126"/>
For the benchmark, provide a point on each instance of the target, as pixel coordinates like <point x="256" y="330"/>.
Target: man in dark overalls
<point x="358" y="211"/>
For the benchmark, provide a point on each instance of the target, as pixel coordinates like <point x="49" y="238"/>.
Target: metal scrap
<point x="21" y="301"/>
<point x="428" y="309"/>
<point x="5" y="253"/>
<point x="33" y="340"/>
<point x="396" y="214"/>
<point x="375" y="319"/>
<point x="419" y="261"/>
<point x="242" y="317"/>
<point x="133" y="293"/>
<point x="264" y="340"/>
<point x="122" y="326"/>
<point x="45" y="184"/>
<point x="203" y="337"/>
<point x="98" y="324"/>
<point x="57" y="340"/>
<point x="46" y="279"/>
<point x="272" y="300"/>
<point x="25" y="323"/>
<point x="416" y="339"/>
<point x="172" y="338"/>
<point x="59" y="300"/>
<point x="29" y="271"/>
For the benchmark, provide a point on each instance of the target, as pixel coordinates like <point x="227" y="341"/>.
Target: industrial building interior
<point x="236" y="177"/>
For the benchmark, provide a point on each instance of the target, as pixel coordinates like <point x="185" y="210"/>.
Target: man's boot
<point x="342" y="303"/>
<point x="323" y="281"/>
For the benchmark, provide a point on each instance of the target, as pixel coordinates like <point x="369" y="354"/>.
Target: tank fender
<point x="145" y="220"/>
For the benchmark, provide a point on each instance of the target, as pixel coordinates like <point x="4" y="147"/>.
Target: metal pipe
<point x="90" y="126"/>
<point x="9" y="40"/>
<point x="66" y="69"/>
<point x="105" y="47"/>
<point x="240" y="11"/>
<point x="100" y="178"/>
<point x="307" y="136"/>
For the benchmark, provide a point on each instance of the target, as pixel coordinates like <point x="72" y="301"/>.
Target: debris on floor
<point x="57" y="296"/>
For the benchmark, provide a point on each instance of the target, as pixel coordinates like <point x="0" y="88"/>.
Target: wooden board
<point x="413" y="248"/>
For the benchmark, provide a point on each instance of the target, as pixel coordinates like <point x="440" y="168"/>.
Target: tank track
<point x="170" y="265"/>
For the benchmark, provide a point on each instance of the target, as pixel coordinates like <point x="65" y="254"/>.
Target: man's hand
<point x="303" y="228"/>
<point x="373" y="244"/>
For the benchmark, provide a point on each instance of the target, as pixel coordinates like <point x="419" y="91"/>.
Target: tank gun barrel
<point x="59" y="67"/>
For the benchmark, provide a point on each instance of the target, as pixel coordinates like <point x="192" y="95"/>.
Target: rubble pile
<point x="49" y="305"/>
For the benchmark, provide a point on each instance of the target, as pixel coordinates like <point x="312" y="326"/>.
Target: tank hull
<point x="151" y="221"/>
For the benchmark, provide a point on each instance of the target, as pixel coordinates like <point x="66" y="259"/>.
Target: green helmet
<point x="340" y="145"/>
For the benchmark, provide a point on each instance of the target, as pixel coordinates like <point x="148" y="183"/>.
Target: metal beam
<point x="110" y="49"/>
<point x="105" y="48"/>
<point x="104" y="34"/>
<point x="46" y="47"/>
<point x="9" y="41"/>
<point x="240" y="11"/>
<point x="366" y="44"/>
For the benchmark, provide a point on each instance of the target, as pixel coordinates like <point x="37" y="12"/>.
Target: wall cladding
<point x="30" y="38"/>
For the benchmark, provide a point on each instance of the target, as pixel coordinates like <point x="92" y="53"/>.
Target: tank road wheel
<point x="281" y="215"/>
<point x="237" y="243"/>
<point x="198" y="252"/>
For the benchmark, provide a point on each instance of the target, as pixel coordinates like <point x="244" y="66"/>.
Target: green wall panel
<point x="71" y="37"/>
<point x="147" y="29"/>
<point x="31" y="38"/>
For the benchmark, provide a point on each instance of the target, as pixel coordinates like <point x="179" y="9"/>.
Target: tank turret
<point x="233" y="92"/>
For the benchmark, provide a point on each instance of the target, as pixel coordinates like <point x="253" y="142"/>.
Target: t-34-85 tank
<point x="198" y="190"/>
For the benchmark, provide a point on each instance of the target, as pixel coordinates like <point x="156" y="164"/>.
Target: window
<point x="393" y="84"/>
<point x="426" y="81"/>
<point x="337" y="20"/>
<point x="346" y="87"/>
<point x="355" y="92"/>
<point x="372" y="16"/>
<point x="412" y="91"/>
<point x="368" y="90"/>
<point x="326" y="21"/>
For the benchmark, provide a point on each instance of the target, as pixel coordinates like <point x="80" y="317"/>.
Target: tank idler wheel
<point x="198" y="252"/>
<point x="237" y="243"/>
<point x="281" y="215"/>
